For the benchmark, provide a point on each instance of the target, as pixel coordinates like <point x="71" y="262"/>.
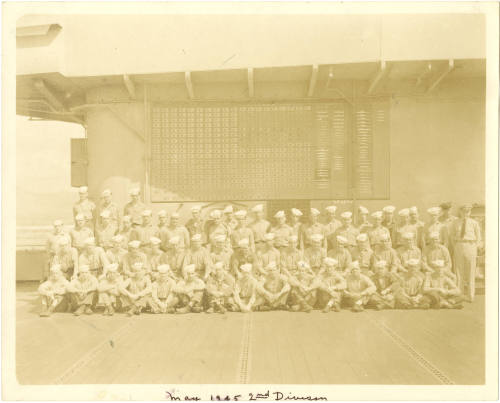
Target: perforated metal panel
<point x="251" y="152"/>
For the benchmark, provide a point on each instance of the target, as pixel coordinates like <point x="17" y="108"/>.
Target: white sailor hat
<point x="190" y="268"/>
<point x="105" y="214"/>
<point x="196" y="238"/>
<point x="117" y="238"/>
<point x="106" y="192"/>
<point x="413" y="262"/>
<point x="89" y="241"/>
<point x="302" y="264"/>
<point x="362" y="237"/>
<point x="243" y="242"/>
<point x="146" y="213"/>
<point x="363" y="210"/>
<point x="408" y="235"/>
<point x="137" y="265"/>
<point x="174" y="240"/>
<point x="293" y="238"/>
<point x="58" y="223"/>
<point x="134" y="191"/>
<point x="240" y="214"/>
<point x="377" y="214"/>
<point x="316" y="237"/>
<point x="83" y="189"/>
<point x="380" y="263"/>
<point x="162" y="213"/>
<point x="438" y="263"/>
<point x="331" y="209"/>
<point x="219" y="265"/>
<point x="215" y="214"/>
<point x="434" y="235"/>
<point x="175" y="214"/>
<point x="247" y="267"/>
<point x="78" y="217"/>
<point x="296" y="212"/>
<point x="269" y="236"/>
<point x="389" y="209"/>
<point x="404" y="212"/>
<point x="84" y="268"/>
<point x="228" y="209"/>
<point x="112" y="267"/>
<point x="434" y="211"/>
<point x="154" y="240"/>
<point x="196" y="208"/>
<point x="330" y="261"/>
<point x="346" y="214"/>
<point x="413" y="210"/>
<point x="163" y="268"/>
<point x="354" y="265"/>
<point x="258" y="208"/>
<point x="280" y="214"/>
<point x="342" y="240"/>
<point x="134" y="244"/>
<point x="220" y="238"/>
<point x="314" y="211"/>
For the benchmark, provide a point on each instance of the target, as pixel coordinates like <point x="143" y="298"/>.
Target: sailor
<point x="116" y="253"/>
<point x="268" y="252"/>
<point x="219" y="253"/>
<point x="435" y="251"/>
<point x="418" y="224"/>
<point x="364" y="225"/>
<point x="162" y="220"/>
<point x="409" y="249"/>
<point x="199" y="257"/>
<point x="80" y="233"/>
<point x="174" y="257"/>
<point x="359" y="289"/>
<point x="134" y="207"/>
<point x="243" y="255"/>
<point x="107" y="204"/>
<point x="295" y="223"/>
<point x="58" y="233"/>
<point x="465" y="237"/>
<point x="154" y="257"/>
<point x="190" y="290"/>
<point x="315" y="253"/>
<point x="228" y="217"/>
<point x="272" y="294"/>
<point x="435" y="225"/>
<point x="389" y="222"/>
<point x="441" y="290"/>
<point x="346" y="230"/>
<point x="245" y="289"/>
<point x="387" y="283"/>
<point x="133" y="256"/>
<point x="174" y="228"/>
<point x="145" y="232"/>
<point x="83" y="289"/>
<point x="195" y="224"/>
<point x="218" y="227"/>
<point x="241" y="231"/>
<point x="330" y="285"/>
<point x="311" y="228"/>
<point x="302" y="295"/>
<point x="220" y="290"/>
<point x="52" y="291"/>
<point x="66" y="258"/>
<point x="136" y="290"/>
<point x="385" y="252"/>
<point x="282" y="230"/>
<point x="331" y="226"/>
<point x="106" y="230"/>
<point x="163" y="297"/>
<point x="86" y="207"/>
<point x="409" y="293"/>
<point x="109" y="289"/>
<point x="125" y="230"/>
<point x="363" y="254"/>
<point x="290" y="255"/>
<point x="259" y="226"/>
<point x="379" y="232"/>
<point x="341" y="253"/>
<point x="93" y="257"/>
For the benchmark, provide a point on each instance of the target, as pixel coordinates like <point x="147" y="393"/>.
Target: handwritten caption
<point x="268" y="395"/>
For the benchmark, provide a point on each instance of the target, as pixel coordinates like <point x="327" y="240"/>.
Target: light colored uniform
<point x="88" y="209"/>
<point x="140" y="287"/>
<point x="405" y="254"/>
<point x="83" y="291"/>
<point x="349" y="232"/>
<point x="169" y="232"/>
<point x="220" y="290"/>
<point x="96" y="260"/>
<point x="134" y="210"/>
<point x="273" y="284"/>
<point x="190" y="292"/>
<point x="53" y="240"/>
<point x="290" y="258"/>
<point x="434" y="283"/>
<point x="466" y="236"/>
<point x="330" y="286"/>
<point x="78" y="237"/>
<point x="259" y="228"/>
<point x="267" y="256"/>
<point x="409" y="294"/>
<point x="342" y="256"/>
<point x="116" y="256"/>
<point x="108" y="291"/>
<point x="52" y="292"/>
<point x="68" y="261"/>
<point x="240" y="233"/>
<point x="130" y="258"/>
<point x="436" y="252"/>
<point x="377" y="234"/>
<point x="162" y="293"/>
<point x="364" y="257"/>
<point x="114" y="213"/>
<point x="144" y="233"/>
<point x="311" y="229"/>
<point x="201" y="260"/>
<point x="174" y="258"/>
<point x="105" y="234"/>
<point x="354" y="285"/>
<point x="391" y="258"/>
<point x="438" y="227"/>
<point x="315" y="258"/>
<point x="282" y="233"/>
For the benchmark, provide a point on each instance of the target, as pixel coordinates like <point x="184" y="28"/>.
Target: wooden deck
<point x="387" y="347"/>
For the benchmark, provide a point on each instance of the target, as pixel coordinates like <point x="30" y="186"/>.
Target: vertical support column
<point x="147" y="148"/>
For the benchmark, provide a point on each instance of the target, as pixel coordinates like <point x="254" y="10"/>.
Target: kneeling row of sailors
<point x="295" y="289"/>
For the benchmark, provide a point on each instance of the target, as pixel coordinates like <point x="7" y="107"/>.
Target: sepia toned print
<point x="261" y="199"/>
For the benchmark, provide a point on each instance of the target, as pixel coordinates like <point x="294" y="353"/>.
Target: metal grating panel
<point x="246" y="152"/>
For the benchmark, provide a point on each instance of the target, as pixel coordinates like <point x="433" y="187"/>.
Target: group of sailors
<point x="126" y="263"/>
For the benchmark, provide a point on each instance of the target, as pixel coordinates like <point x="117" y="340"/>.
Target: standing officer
<point x="465" y="237"/>
<point x="86" y="207"/>
<point x="282" y="230"/>
<point x="134" y="207"/>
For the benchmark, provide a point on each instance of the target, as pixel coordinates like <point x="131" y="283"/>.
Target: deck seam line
<point x="417" y="356"/>
<point x="94" y="352"/>
<point x="245" y="350"/>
